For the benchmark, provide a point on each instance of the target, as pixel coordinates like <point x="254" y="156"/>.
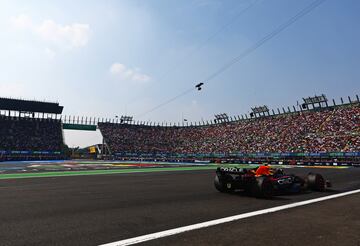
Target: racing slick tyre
<point x="224" y="183"/>
<point x="315" y="182"/>
<point x="263" y="188"/>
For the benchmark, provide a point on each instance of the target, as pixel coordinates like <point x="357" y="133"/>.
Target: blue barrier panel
<point x="218" y="155"/>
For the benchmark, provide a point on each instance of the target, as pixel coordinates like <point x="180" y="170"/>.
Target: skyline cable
<point x="243" y="54"/>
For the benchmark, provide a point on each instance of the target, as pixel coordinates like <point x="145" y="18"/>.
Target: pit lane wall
<point x="321" y="159"/>
<point x="16" y="155"/>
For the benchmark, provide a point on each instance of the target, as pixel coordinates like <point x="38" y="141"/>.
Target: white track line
<point x="166" y="233"/>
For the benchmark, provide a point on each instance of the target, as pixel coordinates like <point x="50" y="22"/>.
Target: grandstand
<point x="30" y="130"/>
<point x="320" y="132"/>
<point x="33" y="130"/>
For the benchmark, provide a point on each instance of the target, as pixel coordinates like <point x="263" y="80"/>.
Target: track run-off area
<point x="95" y="207"/>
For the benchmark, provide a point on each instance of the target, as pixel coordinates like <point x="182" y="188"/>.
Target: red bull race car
<point x="229" y="179"/>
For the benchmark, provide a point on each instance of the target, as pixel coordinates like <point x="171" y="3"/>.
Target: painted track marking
<point x="175" y="231"/>
<point x="100" y="172"/>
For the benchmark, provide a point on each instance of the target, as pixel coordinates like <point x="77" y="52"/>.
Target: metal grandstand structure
<point x="259" y="111"/>
<point x="221" y="118"/>
<point x="29" y="108"/>
<point x="90" y="123"/>
<point x="262" y="111"/>
<point x="315" y="101"/>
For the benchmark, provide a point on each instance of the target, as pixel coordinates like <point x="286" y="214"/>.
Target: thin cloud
<point x="66" y="36"/>
<point x="121" y="72"/>
<point x="50" y="53"/>
<point x="22" y="22"/>
<point x="75" y="35"/>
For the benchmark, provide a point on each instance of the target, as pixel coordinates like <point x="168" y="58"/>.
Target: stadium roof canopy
<point x="30" y="106"/>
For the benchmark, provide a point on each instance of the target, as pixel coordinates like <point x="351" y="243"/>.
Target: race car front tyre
<point x="263" y="188"/>
<point x="224" y="183"/>
<point x="316" y="182"/>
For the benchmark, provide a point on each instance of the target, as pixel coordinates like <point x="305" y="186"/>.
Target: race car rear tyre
<point x="263" y="188"/>
<point x="316" y="182"/>
<point x="224" y="183"/>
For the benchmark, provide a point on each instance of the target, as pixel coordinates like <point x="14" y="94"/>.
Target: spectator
<point x="330" y="130"/>
<point x="30" y="134"/>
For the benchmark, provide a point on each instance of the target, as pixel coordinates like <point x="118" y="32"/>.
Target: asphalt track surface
<point x="98" y="209"/>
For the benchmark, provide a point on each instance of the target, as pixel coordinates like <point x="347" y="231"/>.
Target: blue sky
<point x="107" y="58"/>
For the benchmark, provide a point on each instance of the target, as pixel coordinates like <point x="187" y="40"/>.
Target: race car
<point x="229" y="179"/>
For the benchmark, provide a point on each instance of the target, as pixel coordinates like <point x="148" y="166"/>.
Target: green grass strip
<point x="124" y="171"/>
<point x="99" y="172"/>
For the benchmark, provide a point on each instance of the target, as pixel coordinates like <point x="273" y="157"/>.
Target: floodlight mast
<point x="219" y="118"/>
<point x="260" y="111"/>
<point x="125" y="119"/>
<point x="315" y="101"/>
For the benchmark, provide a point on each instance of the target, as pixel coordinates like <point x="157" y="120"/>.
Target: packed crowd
<point x="328" y="130"/>
<point x="30" y="134"/>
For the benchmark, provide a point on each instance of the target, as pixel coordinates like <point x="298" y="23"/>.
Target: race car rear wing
<point x="230" y="170"/>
